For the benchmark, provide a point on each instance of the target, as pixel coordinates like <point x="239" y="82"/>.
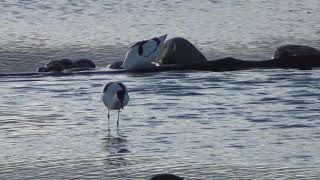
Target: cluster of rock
<point x="183" y="55"/>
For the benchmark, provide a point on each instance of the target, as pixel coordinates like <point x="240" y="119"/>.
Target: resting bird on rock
<point x="143" y="54"/>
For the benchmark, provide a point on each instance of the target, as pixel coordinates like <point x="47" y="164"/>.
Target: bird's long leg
<point x="108" y="122"/>
<point x="118" y="120"/>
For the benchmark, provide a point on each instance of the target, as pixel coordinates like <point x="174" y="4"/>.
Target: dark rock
<point x="42" y="69"/>
<point x="179" y="51"/>
<point x="115" y="65"/>
<point x="56" y="66"/>
<point x="123" y="151"/>
<point x="294" y="50"/>
<point x="166" y="177"/>
<point x="67" y="64"/>
<point x="83" y="63"/>
<point x="297" y="56"/>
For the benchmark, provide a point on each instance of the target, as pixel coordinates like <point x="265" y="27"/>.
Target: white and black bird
<point x="115" y="96"/>
<point x="143" y="54"/>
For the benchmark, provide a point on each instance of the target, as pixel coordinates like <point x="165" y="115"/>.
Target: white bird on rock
<point x="143" y="54"/>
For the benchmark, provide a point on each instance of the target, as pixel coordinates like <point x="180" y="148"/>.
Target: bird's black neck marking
<point x="123" y="87"/>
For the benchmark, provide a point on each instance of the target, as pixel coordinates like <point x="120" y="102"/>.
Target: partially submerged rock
<point x="83" y="63"/>
<point x="179" y="51"/>
<point x="115" y="65"/>
<point x="166" y="177"/>
<point x="297" y="56"/>
<point x="294" y="50"/>
<point x="67" y="64"/>
<point x="123" y="151"/>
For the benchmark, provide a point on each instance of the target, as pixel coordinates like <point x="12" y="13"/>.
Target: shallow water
<point x="196" y="124"/>
<point x="254" y="124"/>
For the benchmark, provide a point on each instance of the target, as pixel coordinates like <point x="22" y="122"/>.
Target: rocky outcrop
<point x="297" y="56"/>
<point x="179" y="51"/>
<point x="294" y="50"/>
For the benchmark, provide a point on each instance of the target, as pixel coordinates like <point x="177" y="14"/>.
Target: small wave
<point x="282" y="126"/>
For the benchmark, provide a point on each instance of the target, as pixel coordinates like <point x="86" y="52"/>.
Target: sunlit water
<point x="254" y="124"/>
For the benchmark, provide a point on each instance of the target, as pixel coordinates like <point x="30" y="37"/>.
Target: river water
<point x="253" y="124"/>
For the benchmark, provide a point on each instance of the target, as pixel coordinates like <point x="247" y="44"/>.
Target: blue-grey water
<point x="253" y="124"/>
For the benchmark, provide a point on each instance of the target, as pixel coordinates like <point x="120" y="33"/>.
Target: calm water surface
<point x="255" y="124"/>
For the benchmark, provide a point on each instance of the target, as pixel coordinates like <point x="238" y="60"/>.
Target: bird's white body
<point x="114" y="96"/>
<point x="143" y="54"/>
<point x="109" y="95"/>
